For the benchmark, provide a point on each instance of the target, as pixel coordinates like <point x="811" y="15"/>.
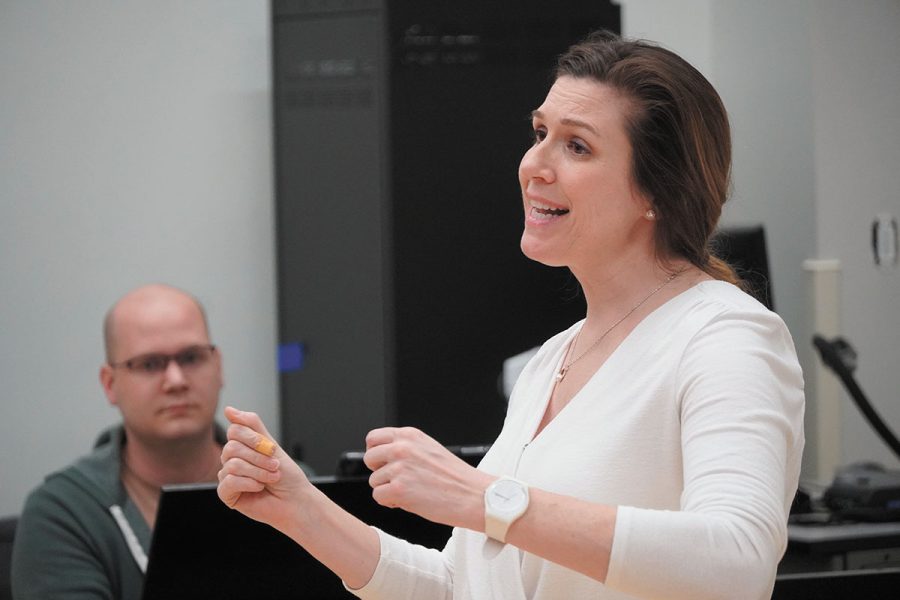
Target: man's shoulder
<point x="94" y="475"/>
<point x="67" y="538"/>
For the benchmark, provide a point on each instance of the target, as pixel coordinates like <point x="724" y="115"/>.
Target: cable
<point x="840" y="357"/>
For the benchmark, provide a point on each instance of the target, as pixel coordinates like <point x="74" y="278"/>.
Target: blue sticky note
<point x="290" y="357"/>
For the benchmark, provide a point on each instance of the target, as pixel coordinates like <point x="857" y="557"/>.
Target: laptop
<point x="203" y="549"/>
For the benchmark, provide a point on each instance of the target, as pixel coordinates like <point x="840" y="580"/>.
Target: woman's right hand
<point x="274" y="490"/>
<point x="265" y="488"/>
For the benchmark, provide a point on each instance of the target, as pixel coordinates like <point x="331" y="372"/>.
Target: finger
<point x="232" y="487"/>
<point x="265" y="446"/>
<point x="383" y="495"/>
<point x="241" y="468"/>
<point x="383" y="435"/>
<point x="380" y="476"/>
<point x="237" y="465"/>
<point x="252" y="439"/>
<point x="404" y="444"/>
<point x="376" y="457"/>
<point x="262" y="441"/>
<point x="247" y="419"/>
<point x="235" y="449"/>
<point x="230" y="483"/>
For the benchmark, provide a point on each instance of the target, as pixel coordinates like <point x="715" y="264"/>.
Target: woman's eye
<point x="578" y="147"/>
<point x="539" y="134"/>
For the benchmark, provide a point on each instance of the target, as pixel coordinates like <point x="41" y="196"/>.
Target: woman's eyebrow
<point x="536" y="114"/>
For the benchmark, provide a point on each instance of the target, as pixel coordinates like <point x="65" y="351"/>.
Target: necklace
<point x="565" y="368"/>
<point x="143" y="493"/>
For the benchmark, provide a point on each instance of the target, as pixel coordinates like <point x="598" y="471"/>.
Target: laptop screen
<point x="203" y="549"/>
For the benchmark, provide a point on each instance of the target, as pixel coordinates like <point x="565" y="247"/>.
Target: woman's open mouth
<point x="541" y="211"/>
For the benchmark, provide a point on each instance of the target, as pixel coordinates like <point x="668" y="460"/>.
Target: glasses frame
<point x="131" y="363"/>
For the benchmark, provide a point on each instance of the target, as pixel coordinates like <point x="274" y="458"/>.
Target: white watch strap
<point x="495" y="528"/>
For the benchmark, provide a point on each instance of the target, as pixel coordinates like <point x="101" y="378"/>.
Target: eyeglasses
<point x="157" y="362"/>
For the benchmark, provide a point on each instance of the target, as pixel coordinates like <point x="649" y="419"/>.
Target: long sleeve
<point x="68" y="545"/>
<point x="408" y="571"/>
<point x="52" y="556"/>
<point x="740" y="393"/>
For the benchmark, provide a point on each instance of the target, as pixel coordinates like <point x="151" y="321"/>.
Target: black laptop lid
<point x="203" y="549"/>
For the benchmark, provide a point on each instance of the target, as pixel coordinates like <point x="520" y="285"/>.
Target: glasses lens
<point x="193" y="357"/>
<point x="149" y="363"/>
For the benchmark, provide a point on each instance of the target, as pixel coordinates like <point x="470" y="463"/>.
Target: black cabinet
<point x="401" y="287"/>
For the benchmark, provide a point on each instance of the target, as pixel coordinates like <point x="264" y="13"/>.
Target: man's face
<point x="178" y="401"/>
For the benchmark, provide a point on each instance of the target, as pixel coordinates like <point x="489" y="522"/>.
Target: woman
<point x="651" y="450"/>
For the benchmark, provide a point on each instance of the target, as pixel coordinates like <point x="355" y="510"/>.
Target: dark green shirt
<point x="68" y="544"/>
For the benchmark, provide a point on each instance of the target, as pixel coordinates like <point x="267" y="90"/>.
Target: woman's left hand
<point x="414" y="472"/>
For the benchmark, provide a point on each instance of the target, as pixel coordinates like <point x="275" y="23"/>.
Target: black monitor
<point x="203" y="549"/>
<point x="744" y="248"/>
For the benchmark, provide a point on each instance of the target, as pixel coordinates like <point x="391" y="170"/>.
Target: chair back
<point x="7" y="535"/>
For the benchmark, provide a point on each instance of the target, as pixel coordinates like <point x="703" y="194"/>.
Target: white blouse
<point x="693" y="428"/>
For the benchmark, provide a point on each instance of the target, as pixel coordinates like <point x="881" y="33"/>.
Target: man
<point x="85" y="532"/>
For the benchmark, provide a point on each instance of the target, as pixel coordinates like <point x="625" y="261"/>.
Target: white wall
<point x="755" y="54"/>
<point x="813" y="91"/>
<point x="136" y="147"/>
<point x="763" y="71"/>
<point x="856" y="68"/>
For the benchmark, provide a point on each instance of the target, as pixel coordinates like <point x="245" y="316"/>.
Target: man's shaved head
<point x="143" y="296"/>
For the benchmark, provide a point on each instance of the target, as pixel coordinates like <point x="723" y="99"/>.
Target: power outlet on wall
<point x="884" y="240"/>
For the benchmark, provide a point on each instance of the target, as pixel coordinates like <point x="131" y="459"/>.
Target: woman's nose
<point x="536" y="164"/>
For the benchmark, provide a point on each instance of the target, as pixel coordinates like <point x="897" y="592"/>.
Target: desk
<point x="843" y="546"/>
<point x="872" y="584"/>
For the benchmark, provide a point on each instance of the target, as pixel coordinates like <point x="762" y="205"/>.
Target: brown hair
<point x="679" y="134"/>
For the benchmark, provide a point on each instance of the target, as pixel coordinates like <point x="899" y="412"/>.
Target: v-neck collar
<point x="633" y="337"/>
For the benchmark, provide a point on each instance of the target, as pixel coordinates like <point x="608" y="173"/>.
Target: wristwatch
<point x="505" y="500"/>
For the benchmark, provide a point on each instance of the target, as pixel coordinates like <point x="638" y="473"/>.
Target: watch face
<point x="507" y="496"/>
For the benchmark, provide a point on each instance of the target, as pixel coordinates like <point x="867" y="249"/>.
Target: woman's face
<point x="582" y="209"/>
